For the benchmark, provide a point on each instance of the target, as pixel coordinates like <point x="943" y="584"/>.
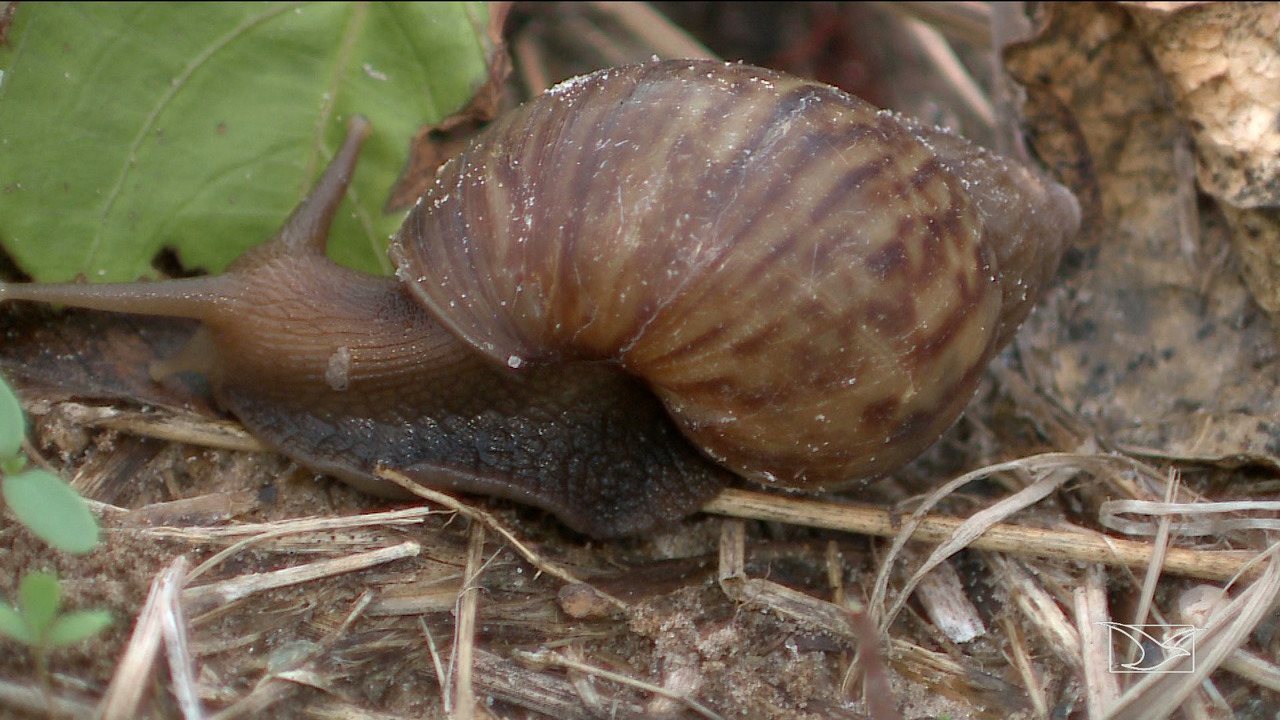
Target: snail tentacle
<point x="307" y="229"/>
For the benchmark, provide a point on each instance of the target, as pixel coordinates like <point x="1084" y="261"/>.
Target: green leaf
<point x="13" y="626"/>
<point x="13" y="424"/>
<point x="13" y="464"/>
<point x="73" y="627"/>
<point x="126" y="128"/>
<point x="48" y="506"/>
<point x="39" y="596"/>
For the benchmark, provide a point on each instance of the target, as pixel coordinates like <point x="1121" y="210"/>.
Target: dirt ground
<point x="1152" y="360"/>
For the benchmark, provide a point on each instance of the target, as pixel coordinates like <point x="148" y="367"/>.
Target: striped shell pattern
<point x="811" y="285"/>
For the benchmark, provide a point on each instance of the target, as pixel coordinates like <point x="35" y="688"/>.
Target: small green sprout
<point x="52" y="510"/>
<point x="37" y="620"/>
<point x="13" y="426"/>
<point x="43" y="502"/>
<point x="55" y="513"/>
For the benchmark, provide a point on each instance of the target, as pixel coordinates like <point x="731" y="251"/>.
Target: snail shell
<point x="811" y="285"/>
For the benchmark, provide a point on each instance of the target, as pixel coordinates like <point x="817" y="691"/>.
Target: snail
<point x="630" y="290"/>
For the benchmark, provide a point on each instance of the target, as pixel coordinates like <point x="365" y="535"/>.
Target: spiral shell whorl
<point x="803" y="282"/>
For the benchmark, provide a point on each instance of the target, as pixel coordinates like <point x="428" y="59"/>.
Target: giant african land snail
<point x="645" y="270"/>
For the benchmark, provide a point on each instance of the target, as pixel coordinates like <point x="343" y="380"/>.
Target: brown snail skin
<point x="632" y="288"/>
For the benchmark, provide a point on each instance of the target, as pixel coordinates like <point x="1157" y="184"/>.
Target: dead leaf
<point x="1154" y="334"/>
<point x="1222" y="64"/>
<point x="434" y="144"/>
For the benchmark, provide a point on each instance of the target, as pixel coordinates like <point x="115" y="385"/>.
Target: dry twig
<point x="204" y="597"/>
<point x="1077" y="545"/>
<point x="489" y="521"/>
<point x="464" y="630"/>
<point x="1160" y="694"/>
<point x="133" y="674"/>
<point x="1092" y="617"/>
<point x="546" y="658"/>
<point x="1055" y="474"/>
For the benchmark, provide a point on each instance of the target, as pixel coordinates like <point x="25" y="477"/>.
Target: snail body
<point x="645" y="277"/>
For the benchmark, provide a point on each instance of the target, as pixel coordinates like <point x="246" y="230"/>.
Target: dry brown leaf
<point x="1153" y="335"/>
<point x="1222" y="64"/>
